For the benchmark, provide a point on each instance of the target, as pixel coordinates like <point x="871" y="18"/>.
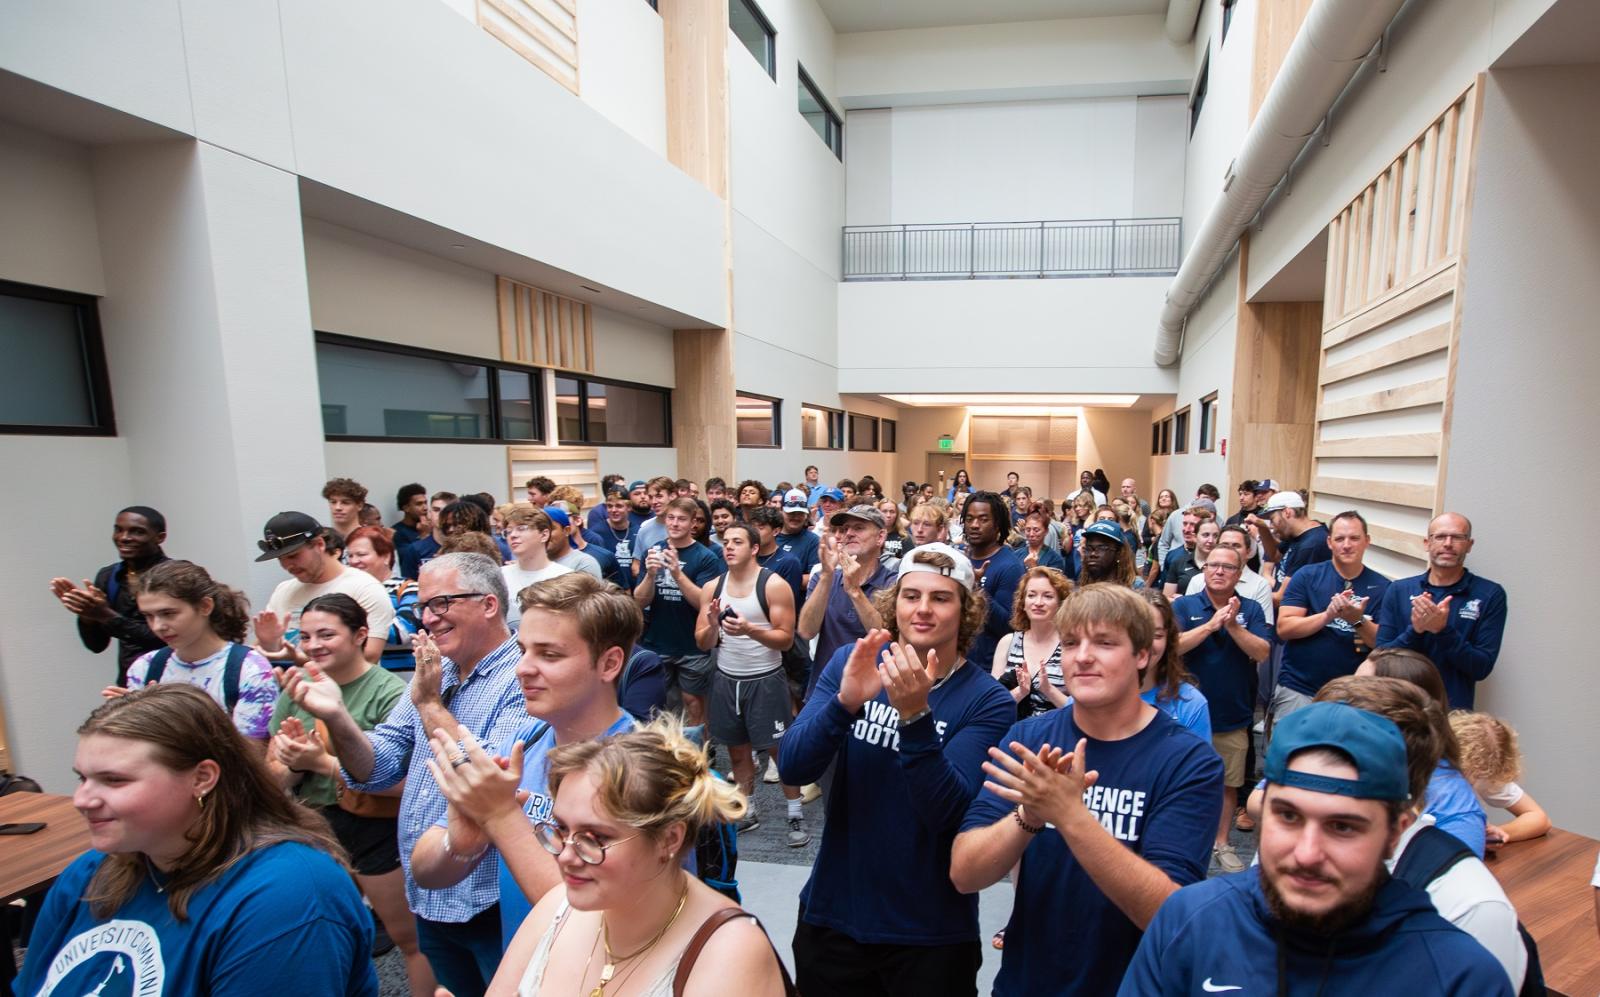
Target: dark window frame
<point x="836" y="420"/>
<point x="1166" y="436"/>
<point x="583" y="410"/>
<point x="1208" y="423"/>
<point x="492" y="379"/>
<point x="770" y="63"/>
<point x="834" y="140"/>
<point x="777" y="421"/>
<point x="1197" y="95"/>
<point x="886" y="429"/>
<point x="1155" y="438"/>
<point x="850" y="427"/>
<point x="1180" y="430"/>
<point x="96" y="373"/>
<point x="1227" y="17"/>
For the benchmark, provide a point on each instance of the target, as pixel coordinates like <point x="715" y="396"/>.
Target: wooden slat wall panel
<point x="576" y="466"/>
<point x="1390" y="328"/>
<point x="548" y="330"/>
<point x="544" y="32"/>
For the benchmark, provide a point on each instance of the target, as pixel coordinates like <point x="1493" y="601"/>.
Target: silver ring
<point x="459" y="760"/>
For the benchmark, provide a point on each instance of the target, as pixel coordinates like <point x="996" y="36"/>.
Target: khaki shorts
<point x="1233" y="746"/>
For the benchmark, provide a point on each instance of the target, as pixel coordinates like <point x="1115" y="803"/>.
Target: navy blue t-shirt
<point x="1310" y="547"/>
<point x="802" y="547"/>
<point x="786" y="567"/>
<point x="1160" y="794"/>
<point x="882" y="874"/>
<point x="1004" y="570"/>
<point x="620" y="544"/>
<point x="1311" y="662"/>
<point x="1227" y="675"/>
<point x="670" y="629"/>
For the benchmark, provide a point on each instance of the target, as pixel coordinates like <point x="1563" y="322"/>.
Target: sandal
<point x="999" y="939"/>
<point x="1242" y="821"/>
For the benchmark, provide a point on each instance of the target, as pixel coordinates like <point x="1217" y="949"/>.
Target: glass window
<point x="814" y="108"/>
<point x="821" y="428"/>
<point x="888" y="430"/>
<point x="1180" y="431"/>
<point x="1155" y="439"/>
<point x="1197" y="99"/>
<point x="757" y="420"/>
<point x="54" y="378"/>
<point x="755" y="31"/>
<point x="592" y="411"/>
<point x="380" y="391"/>
<point x="1208" y="423"/>
<point x="863" y="432"/>
<point x="569" y="410"/>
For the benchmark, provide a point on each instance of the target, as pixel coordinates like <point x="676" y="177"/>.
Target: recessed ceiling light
<point x="1012" y="399"/>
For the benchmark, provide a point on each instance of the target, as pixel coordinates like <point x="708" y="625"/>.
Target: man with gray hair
<point x="466" y="660"/>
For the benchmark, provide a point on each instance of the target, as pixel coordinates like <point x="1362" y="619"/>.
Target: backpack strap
<point x="761" y="592"/>
<point x="231" y="670"/>
<point x="535" y="735"/>
<point x="158" y="665"/>
<point x="709" y="927"/>
<point x="1429" y="854"/>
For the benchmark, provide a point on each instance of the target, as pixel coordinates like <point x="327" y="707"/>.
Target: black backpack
<point x="230" y="672"/>
<point x="1430" y="854"/>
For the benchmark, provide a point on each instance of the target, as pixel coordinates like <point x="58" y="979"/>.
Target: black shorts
<point x="830" y="962"/>
<point x="373" y="842"/>
<point x="691" y="672"/>
<point x="754" y="711"/>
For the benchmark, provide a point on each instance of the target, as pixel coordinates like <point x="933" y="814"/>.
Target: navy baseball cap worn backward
<point x="1373" y="743"/>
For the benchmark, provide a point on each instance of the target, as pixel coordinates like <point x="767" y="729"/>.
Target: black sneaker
<point x="799" y="837"/>
<point x="750" y="821"/>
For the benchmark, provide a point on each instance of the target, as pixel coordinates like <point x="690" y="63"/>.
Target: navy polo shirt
<point x="841" y="624"/>
<point x="1466" y="649"/>
<point x="1311" y="662"/>
<point x="1227" y="675"/>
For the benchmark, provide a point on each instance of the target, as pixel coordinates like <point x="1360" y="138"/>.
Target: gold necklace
<point x="612" y="959"/>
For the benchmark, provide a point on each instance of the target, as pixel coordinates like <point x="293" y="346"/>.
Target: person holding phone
<point x="202" y="876"/>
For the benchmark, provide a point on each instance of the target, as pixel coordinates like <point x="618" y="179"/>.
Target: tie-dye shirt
<point x="258" y="689"/>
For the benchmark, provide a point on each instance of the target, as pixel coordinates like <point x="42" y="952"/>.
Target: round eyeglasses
<point x="584" y="845"/>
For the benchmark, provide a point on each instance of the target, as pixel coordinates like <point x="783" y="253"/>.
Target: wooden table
<point x="31" y="862"/>
<point x="1547" y="880"/>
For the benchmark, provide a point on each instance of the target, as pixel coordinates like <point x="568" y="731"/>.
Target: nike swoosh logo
<point x="1212" y="988"/>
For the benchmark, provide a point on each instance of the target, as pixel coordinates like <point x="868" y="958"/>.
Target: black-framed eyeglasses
<point x="272" y="541"/>
<point x="440" y="604"/>
<point x="584" y="845"/>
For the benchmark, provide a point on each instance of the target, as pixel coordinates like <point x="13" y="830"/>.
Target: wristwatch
<point x="926" y="711"/>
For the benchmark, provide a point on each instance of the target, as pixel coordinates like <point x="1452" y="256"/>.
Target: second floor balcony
<point x="1116" y="247"/>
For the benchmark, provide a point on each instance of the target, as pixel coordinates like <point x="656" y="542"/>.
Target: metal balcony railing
<point x="1115" y="247"/>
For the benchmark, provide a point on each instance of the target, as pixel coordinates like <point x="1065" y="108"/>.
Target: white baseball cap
<point x="794" y="500"/>
<point x="1284" y="500"/>
<point x="962" y="571"/>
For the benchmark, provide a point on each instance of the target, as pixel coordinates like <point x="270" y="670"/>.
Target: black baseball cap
<point x="286" y="533"/>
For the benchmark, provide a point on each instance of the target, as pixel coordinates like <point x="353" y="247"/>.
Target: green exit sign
<point x="947" y="444"/>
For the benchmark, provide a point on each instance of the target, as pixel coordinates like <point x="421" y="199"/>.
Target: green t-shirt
<point x="369" y="700"/>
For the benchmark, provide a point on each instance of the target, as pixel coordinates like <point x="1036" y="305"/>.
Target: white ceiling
<point x="883" y="15"/>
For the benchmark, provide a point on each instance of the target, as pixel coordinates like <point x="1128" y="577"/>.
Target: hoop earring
<point x="200" y="798"/>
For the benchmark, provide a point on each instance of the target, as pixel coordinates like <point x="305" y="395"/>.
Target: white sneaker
<point x="810" y="793"/>
<point x="1228" y="859"/>
<point x="771" y="776"/>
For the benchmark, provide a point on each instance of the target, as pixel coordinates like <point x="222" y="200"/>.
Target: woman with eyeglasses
<point x="202" y="876"/>
<point x="626" y="919"/>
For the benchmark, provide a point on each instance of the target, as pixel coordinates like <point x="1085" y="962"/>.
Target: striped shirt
<point x="489" y="704"/>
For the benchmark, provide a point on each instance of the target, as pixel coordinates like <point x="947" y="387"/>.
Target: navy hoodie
<point x="882" y="875"/>
<point x="1220" y="935"/>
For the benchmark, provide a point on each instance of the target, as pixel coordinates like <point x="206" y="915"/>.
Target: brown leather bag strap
<point x="708" y="927"/>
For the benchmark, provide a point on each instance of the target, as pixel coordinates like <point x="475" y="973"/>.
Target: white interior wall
<point x="1015" y="161"/>
<point x="622" y="70"/>
<point x="1525" y="375"/>
<point x="1225" y="115"/>
<point x="1210" y="345"/>
<point x="49" y="236"/>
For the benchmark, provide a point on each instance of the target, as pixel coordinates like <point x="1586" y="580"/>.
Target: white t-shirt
<point x="291" y="596"/>
<point x="519" y="578"/>
<point x="1251" y="586"/>
<point x="1469" y="897"/>
<point x="1504" y="796"/>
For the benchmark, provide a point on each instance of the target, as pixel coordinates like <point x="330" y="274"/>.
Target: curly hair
<point x="348" y="488"/>
<point x="1489" y="752"/>
<point x="761" y="490"/>
<point x="1058" y="581"/>
<point x="974" y="605"/>
<point x="188" y="582"/>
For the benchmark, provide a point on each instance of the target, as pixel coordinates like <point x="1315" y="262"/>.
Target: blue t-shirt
<point x="1466" y="649"/>
<point x="1455" y="807"/>
<point x="1190" y="709"/>
<point x="514" y="905"/>
<point x="1003" y="570"/>
<point x="1049" y="557"/>
<point x="1310" y="547"/>
<point x="643" y="689"/>
<point x="802" y="547"/>
<point x="1226" y="674"/>
<point x="412" y="558"/>
<point x="621" y="548"/>
<point x="1311" y="662"/>
<point x="786" y="567"/>
<point x="595" y="518"/>
<point x="610" y="570"/>
<point x="882" y="875"/>
<point x="669" y="631"/>
<point x="285" y="919"/>
<point x="841" y="624"/>
<point x="1160" y="794"/>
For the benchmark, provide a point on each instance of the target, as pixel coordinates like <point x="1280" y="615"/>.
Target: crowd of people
<point x="499" y="727"/>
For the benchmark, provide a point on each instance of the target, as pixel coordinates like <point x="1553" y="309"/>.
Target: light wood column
<point x="695" y="39"/>
<point x="1274" y="411"/>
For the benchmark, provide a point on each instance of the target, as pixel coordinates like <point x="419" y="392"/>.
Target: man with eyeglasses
<point x="1251" y="585"/>
<point x="1223" y="639"/>
<point x="528" y="534"/>
<point x="465" y="681"/>
<point x="310" y="553"/>
<point x="575" y="634"/>
<point x="1448" y="613"/>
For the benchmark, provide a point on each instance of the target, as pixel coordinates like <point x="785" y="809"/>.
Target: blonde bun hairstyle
<point x="651" y="778"/>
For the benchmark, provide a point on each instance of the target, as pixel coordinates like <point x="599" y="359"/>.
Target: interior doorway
<point x="942" y="468"/>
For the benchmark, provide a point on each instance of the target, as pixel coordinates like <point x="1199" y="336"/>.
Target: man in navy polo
<point x="1224" y="638"/>
<point x="1453" y="616"/>
<point x="838" y="605"/>
<point x="1326" y="620"/>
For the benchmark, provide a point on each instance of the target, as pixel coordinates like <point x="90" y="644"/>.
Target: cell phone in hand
<point x="728" y="614"/>
<point x="22" y="828"/>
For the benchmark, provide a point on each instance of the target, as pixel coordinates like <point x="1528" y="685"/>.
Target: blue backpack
<point x="230" y="672"/>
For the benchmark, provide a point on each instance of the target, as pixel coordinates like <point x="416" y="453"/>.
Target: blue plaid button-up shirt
<point x="489" y="703"/>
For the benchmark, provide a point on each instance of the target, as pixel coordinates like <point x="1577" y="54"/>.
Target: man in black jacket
<point x="105" y="608"/>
